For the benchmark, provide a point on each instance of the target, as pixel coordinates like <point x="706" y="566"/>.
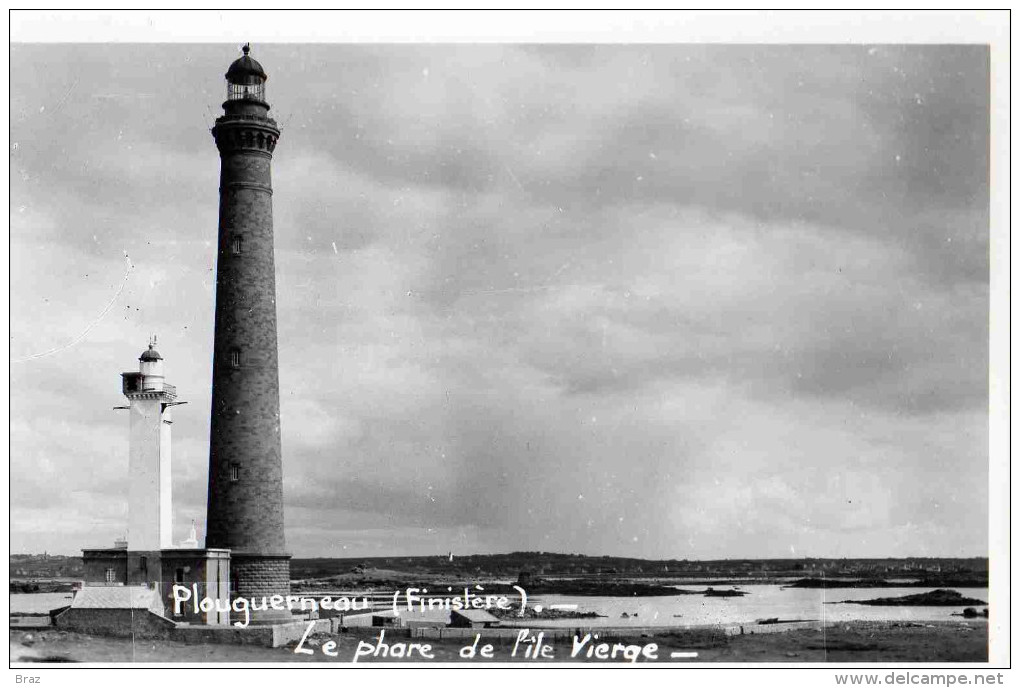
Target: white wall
<point x="149" y="504"/>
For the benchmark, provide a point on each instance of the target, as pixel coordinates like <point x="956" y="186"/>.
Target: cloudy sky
<point x="658" y="301"/>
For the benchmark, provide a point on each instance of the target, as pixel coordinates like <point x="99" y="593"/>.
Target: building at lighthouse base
<point x="173" y="594"/>
<point x="206" y="571"/>
<point x="130" y="587"/>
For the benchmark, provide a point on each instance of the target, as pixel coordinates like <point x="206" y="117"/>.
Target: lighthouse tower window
<point x="235" y="246"/>
<point x="235" y="358"/>
<point x="235" y="472"/>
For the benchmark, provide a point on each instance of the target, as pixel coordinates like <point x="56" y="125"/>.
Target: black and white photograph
<point x="510" y="339"/>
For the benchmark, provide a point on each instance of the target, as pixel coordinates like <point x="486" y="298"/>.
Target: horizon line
<point x="573" y="554"/>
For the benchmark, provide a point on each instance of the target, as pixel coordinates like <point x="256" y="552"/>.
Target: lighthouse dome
<point x="246" y="70"/>
<point x="150" y="354"/>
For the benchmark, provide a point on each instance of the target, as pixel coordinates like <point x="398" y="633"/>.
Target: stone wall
<point x="133" y="623"/>
<point x="257" y="576"/>
<point x="265" y="636"/>
<point x="97" y="561"/>
<point x="124" y="623"/>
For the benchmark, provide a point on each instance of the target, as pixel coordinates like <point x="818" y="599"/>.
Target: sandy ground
<point x="856" y="642"/>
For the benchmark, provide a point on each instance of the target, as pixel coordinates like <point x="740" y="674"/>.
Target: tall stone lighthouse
<point x="245" y="509"/>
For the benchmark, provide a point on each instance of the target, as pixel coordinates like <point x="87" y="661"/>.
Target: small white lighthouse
<point x="150" y="510"/>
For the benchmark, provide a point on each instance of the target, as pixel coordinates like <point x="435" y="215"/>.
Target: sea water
<point x="761" y="602"/>
<point x="38" y="602"/>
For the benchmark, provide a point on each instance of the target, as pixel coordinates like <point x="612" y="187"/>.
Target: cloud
<point x="664" y="301"/>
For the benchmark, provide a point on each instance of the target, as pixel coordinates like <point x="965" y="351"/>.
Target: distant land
<point x="27" y="570"/>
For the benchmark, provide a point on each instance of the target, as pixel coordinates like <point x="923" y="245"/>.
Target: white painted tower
<point x="150" y="510"/>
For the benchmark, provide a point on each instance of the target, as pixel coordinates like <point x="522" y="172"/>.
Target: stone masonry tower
<point x="245" y="511"/>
